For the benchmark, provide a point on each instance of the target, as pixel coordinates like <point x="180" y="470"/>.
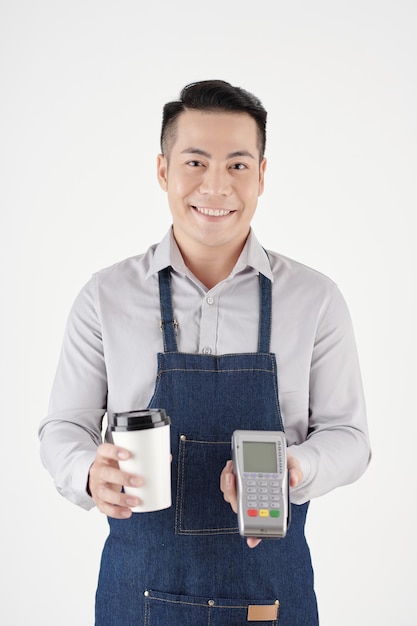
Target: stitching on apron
<point x="210" y="608"/>
<point x="181" y="468"/>
<point x="251" y="369"/>
<point x="202" y="604"/>
<point x="201" y="532"/>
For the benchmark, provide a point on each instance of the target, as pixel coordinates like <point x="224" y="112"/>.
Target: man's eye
<point x="238" y="166"/>
<point x="194" y="163"/>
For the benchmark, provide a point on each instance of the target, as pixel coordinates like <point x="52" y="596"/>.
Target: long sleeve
<point x="337" y="450"/>
<point x="72" y="431"/>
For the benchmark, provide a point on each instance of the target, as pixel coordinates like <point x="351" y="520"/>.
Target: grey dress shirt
<point x="109" y="359"/>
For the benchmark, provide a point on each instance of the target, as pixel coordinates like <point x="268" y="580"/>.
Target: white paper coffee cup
<point x="146" y="434"/>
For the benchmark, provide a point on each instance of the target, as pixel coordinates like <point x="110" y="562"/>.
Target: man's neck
<point x="210" y="272"/>
<point x="210" y="265"/>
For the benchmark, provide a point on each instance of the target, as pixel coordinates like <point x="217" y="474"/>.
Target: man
<point x="235" y="337"/>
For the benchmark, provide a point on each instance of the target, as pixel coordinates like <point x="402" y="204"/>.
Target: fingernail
<point x="122" y="455"/>
<point x="135" y="481"/>
<point x="132" y="501"/>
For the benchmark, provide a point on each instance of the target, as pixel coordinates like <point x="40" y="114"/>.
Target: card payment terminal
<point x="260" y="466"/>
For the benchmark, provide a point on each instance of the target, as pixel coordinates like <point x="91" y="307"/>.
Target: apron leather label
<point x="262" y="612"/>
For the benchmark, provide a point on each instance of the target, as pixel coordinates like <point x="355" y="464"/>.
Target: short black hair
<point x="213" y="95"/>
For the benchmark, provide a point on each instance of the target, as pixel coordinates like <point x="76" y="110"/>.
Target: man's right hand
<point x="106" y="479"/>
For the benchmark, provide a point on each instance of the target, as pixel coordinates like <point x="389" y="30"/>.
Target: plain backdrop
<point x="82" y="85"/>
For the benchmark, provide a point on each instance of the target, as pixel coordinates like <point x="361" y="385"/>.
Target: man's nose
<point x="216" y="181"/>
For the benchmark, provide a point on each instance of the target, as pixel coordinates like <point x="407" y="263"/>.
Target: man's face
<point x="213" y="176"/>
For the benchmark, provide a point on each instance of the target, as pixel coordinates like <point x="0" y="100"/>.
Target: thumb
<point x="294" y="468"/>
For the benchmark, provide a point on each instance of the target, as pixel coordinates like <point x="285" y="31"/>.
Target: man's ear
<point x="162" y="171"/>
<point x="262" y="169"/>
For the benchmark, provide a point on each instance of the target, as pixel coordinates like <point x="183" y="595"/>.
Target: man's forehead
<point x="193" y="118"/>
<point x="238" y="129"/>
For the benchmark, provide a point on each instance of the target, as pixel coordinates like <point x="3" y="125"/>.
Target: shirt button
<point x="210" y="300"/>
<point x="206" y="350"/>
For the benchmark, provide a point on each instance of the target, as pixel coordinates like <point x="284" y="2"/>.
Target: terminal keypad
<point x="262" y="494"/>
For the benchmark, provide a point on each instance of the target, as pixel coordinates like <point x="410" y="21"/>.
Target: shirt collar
<point x="167" y="254"/>
<point x="255" y="256"/>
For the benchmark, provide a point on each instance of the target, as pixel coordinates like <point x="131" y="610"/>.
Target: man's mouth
<point x="212" y="212"/>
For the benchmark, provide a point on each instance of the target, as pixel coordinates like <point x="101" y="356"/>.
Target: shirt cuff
<point x="298" y="494"/>
<point x="76" y="491"/>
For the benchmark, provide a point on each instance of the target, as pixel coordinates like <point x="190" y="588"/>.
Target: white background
<point x="82" y="88"/>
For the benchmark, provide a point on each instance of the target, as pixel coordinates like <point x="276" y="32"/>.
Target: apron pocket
<point x="200" y="506"/>
<point x="177" y="610"/>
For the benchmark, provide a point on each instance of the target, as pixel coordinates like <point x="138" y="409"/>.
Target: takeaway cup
<point x="146" y="434"/>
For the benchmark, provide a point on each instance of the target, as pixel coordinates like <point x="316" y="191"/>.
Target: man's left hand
<point x="228" y="486"/>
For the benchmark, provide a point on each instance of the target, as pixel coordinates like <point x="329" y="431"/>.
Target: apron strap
<point x="265" y="309"/>
<point x="169" y="324"/>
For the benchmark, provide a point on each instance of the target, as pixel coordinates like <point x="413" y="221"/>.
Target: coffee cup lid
<point x="140" y="419"/>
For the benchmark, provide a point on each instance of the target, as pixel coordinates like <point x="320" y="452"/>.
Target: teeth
<point x="213" y="212"/>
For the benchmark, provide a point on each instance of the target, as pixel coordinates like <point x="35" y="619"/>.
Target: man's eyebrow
<point x="231" y="155"/>
<point x="198" y="151"/>
<point x="240" y="153"/>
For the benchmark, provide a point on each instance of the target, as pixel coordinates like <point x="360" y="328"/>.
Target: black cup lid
<point x="141" y="419"/>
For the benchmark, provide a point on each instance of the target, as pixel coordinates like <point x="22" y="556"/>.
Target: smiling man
<point x="223" y="335"/>
<point x="213" y="173"/>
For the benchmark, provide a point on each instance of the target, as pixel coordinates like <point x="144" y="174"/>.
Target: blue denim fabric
<point x="187" y="565"/>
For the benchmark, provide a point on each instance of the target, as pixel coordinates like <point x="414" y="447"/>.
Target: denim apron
<point x="187" y="565"/>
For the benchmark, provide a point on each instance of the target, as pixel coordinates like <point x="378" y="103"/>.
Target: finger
<point x="113" y="475"/>
<point x="294" y="478"/>
<point x="108" y="451"/>
<point x="113" y="495"/>
<point x="228" y="485"/>
<point x="115" y="503"/>
<point x="253" y="542"/>
<point x="295" y="471"/>
<point x="228" y="468"/>
<point x="116" y="512"/>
